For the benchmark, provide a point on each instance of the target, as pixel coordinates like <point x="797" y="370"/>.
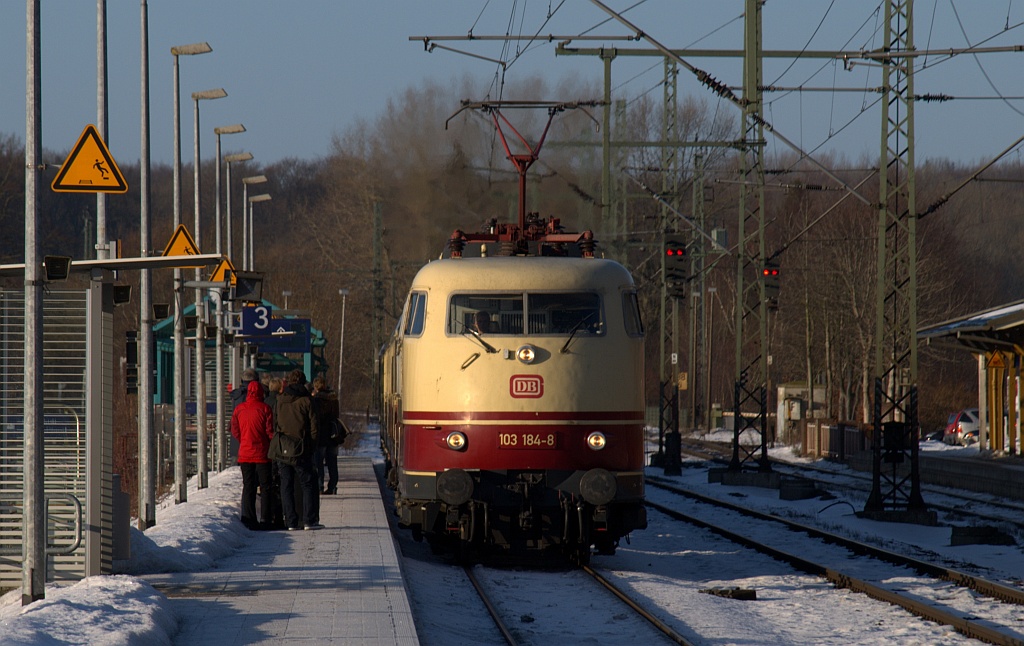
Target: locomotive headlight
<point x="596" y="441"/>
<point x="456" y="441"/>
<point x="526" y="354"/>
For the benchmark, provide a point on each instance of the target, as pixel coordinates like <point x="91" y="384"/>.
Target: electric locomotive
<point x="513" y="407"/>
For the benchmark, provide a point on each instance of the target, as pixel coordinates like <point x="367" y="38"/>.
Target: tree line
<point x="430" y="175"/>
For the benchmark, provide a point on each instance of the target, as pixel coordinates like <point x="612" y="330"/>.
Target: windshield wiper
<point x="575" y="329"/>
<point x="487" y="346"/>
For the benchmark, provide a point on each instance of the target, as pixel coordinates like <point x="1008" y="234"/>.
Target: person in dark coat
<point x="252" y="424"/>
<point x="276" y="512"/>
<point x="326" y="404"/>
<point x="297" y="419"/>
<point x="239" y="394"/>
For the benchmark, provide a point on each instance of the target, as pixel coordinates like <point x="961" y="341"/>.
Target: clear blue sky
<point x="298" y="72"/>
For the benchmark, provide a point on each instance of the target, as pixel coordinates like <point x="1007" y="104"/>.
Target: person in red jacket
<point x="252" y="424"/>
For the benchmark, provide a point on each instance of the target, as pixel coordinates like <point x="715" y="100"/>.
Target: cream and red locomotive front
<point x="512" y="405"/>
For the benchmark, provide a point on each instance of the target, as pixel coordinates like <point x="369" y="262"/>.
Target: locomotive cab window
<point x="415" y="314"/>
<point x="631" y="313"/>
<point x="530" y="314"/>
<point x="564" y="313"/>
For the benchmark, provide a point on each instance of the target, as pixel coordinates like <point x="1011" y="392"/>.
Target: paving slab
<point x="338" y="585"/>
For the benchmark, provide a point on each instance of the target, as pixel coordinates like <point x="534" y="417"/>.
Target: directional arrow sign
<point x="288" y="336"/>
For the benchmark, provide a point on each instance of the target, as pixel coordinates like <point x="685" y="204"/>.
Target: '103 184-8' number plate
<point x="526" y="440"/>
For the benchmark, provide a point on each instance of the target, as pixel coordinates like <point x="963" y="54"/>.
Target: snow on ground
<point x="122" y="609"/>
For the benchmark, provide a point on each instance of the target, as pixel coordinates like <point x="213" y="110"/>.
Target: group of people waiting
<point x="307" y="413"/>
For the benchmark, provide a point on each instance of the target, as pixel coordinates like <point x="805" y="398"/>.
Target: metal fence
<point x="65" y="360"/>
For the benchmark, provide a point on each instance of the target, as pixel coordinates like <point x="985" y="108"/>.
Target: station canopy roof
<point x="997" y="329"/>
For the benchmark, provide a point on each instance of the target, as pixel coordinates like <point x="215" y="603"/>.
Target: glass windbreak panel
<point x="416" y="314"/>
<point x="486" y="313"/>
<point x="631" y="314"/>
<point x="564" y="314"/>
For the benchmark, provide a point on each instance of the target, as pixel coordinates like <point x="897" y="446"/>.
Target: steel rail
<point x="705" y="452"/>
<point x="983" y="586"/>
<point x="622" y="596"/>
<point x="924" y="610"/>
<point x="509" y="638"/>
<point x="859" y="479"/>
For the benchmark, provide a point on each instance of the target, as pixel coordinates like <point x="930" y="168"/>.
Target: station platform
<point x="1001" y="475"/>
<point x="338" y="585"/>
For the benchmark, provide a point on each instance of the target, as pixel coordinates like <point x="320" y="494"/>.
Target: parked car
<point x="962" y="427"/>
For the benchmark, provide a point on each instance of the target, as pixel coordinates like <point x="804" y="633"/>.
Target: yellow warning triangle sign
<point x="218" y="274"/>
<point x="89" y="168"/>
<point x="996" y="361"/>
<point x="181" y="243"/>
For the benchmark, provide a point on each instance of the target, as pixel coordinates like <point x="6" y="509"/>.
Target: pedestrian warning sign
<point x="218" y="274"/>
<point x="89" y="168"/>
<point x="181" y="243"/>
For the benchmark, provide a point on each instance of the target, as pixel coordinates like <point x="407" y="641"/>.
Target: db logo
<point x="526" y="386"/>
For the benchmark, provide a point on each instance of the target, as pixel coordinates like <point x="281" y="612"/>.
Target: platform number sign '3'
<point x="256" y="320"/>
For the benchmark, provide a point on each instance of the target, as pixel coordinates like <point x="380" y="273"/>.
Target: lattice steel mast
<point x="895" y="476"/>
<point x="751" y="390"/>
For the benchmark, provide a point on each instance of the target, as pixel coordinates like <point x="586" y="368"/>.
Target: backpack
<point x="338" y="432"/>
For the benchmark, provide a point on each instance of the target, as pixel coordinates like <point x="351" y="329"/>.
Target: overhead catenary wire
<point x="977" y="62"/>
<point x="723" y="91"/>
<point x="934" y="206"/>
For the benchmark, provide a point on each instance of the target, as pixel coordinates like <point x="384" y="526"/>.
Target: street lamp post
<point x="286" y="293"/>
<point x="221" y="432"/>
<point x="263" y="197"/>
<point x="147" y="465"/>
<point x="228" y="160"/>
<point x="246" y="181"/>
<point x="201" y="436"/>
<point x="222" y="130"/>
<point x="341" y="343"/>
<point x="231" y="159"/>
<point x="180" y="460"/>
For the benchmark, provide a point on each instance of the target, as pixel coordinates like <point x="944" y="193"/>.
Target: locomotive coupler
<point x="526" y="519"/>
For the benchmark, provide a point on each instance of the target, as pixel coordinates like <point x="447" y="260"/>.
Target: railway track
<point x="939" y="498"/>
<point x="499" y="614"/>
<point x="927" y="593"/>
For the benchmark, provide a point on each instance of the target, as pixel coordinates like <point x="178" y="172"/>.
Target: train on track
<point x="512" y="403"/>
<point x="513" y="407"/>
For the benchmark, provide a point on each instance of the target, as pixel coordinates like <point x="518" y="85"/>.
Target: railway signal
<point x="675" y="250"/>
<point x="770" y="272"/>
<point x="677" y="266"/>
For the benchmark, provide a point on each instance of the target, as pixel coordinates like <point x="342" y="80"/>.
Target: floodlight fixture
<point x="194" y="48"/>
<point x="122" y="294"/>
<point x="56" y="268"/>
<point x="248" y="286"/>
<point x="217" y="93"/>
<point x="229" y="130"/>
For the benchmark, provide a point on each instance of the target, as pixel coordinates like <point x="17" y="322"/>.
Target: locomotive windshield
<point x="530" y="314"/>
